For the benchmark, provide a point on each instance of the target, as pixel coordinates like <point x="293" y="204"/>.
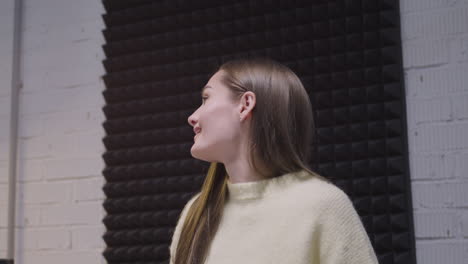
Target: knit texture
<point x="294" y="218"/>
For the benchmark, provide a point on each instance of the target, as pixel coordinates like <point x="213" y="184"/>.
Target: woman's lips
<point x="196" y="135"/>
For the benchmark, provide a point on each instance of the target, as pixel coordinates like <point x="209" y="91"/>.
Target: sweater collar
<point x="260" y="188"/>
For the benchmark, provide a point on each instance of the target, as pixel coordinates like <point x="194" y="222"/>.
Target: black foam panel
<point x="160" y="53"/>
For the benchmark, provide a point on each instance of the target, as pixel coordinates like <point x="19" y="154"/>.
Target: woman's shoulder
<point x="314" y="190"/>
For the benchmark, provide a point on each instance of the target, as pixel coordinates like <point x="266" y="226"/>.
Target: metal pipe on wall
<point x="12" y="168"/>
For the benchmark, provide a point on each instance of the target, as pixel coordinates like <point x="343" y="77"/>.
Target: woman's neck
<point x="240" y="171"/>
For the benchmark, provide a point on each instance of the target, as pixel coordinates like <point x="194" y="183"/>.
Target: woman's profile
<point x="260" y="202"/>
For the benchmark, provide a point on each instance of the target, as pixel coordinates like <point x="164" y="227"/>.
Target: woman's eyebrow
<point x="204" y="88"/>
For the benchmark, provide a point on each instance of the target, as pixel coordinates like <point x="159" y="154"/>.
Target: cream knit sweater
<point x="294" y="218"/>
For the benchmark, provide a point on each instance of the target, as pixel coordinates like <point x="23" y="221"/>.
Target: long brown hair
<point x="281" y="132"/>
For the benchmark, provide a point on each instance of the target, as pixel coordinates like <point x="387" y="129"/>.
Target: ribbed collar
<point x="261" y="188"/>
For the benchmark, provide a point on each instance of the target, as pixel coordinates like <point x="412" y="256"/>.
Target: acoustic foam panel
<point x="160" y="53"/>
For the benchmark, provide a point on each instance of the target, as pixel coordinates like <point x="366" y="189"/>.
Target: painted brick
<point x="5" y="80"/>
<point x="3" y="242"/>
<point x="3" y="212"/>
<point x="90" y="143"/>
<point x="64" y="99"/>
<point x="4" y="130"/>
<point x="5" y="106"/>
<point x="459" y="49"/>
<point x="424" y="5"/>
<point x="461" y="166"/>
<point x="440" y="195"/>
<point x="462" y="49"/>
<point x="3" y="215"/>
<point x="60" y="108"/>
<point x="432" y="166"/>
<point x="27" y="215"/>
<point x="81" y="53"/>
<point x="4" y="193"/>
<point x="88" y="213"/>
<point x="64" y="146"/>
<point x="51" y="11"/>
<point x="46" y="39"/>
<point x="73" y="168"/>
<point x="30" y="126"/>
<point x="88" y="237"/>
<point x="49" y="192"/>
<point x="442" y="252"/>
<point x="425" y="52"/>
<point x="30" y="170"/>
<point x="32" y="148"/>
<point x="440" y="81"/>
<point x="4" y="148"/>
<point x="73" y="121"/>
<point x="61" y="145"/>
<point x="6" y="26"/>
<point x="7" y="6"/>
<point x="26" y="239"/>
<point x="439" y="224"/>
<point x="89" y="189"/>
<point x="460" y="106"/>
<point x="69" y="257"/>
<point x="41" y="80"/>
<point x="465" y="224"/>
<point x="440" y="137"/>
<point x="61" y="5"/>
<point x="35" y="81"/>
<point x="6" y="47"/>
<point x="78" y="77"/>
<point x="44" y="238"/>
<point x="439" y="22"/>
<point x="3" y="171"/>
<point x="430" y="110"/>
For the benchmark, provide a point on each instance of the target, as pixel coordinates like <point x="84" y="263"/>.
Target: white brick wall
<point x="59" y="209"/>
<point x="435" y="59"/>
<point x="6" y="50"/>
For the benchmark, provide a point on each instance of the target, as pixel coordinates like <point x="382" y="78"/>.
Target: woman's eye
<point x="204" y="98"/>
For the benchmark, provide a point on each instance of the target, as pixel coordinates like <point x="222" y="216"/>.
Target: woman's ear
<point x="247" y="104"/>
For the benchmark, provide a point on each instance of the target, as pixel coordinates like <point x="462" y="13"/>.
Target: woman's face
<point x="216" y="123"/>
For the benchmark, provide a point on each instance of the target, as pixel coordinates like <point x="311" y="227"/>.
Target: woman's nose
<point x="191" y="120"/>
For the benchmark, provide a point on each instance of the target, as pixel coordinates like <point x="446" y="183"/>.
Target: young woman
<point x="260" y="203"/>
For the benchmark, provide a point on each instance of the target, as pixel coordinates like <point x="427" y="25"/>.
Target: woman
<point x="260" y="203"/>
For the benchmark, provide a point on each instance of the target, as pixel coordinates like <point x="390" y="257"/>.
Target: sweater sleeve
<point x="343" y="238"/>
<point x="178" y="228"/>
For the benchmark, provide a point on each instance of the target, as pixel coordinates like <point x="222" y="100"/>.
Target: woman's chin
<point x="197" y="153"/>
<point x="200" y="154"/>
